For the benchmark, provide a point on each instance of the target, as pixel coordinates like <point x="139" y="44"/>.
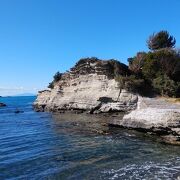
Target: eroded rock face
<point x="154" y="115"/>
<point x="89" y="86"/>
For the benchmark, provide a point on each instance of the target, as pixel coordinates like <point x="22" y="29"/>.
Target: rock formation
<point x="154" y="115"/>
<point x="89" y="86"/>
<point x="2" y="105"/>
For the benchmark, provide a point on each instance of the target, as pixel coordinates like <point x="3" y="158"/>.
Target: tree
<point x="130" y="83"/>
<point x="136" y="63"/>
<point x="166" y="86"/>
<point x="161" y="40"/>
<point x="57" y="76"/>
<point x="159" y="68"/>
<point x="176" y="72"/>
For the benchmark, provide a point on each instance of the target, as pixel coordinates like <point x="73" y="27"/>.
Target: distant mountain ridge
<point x="26" y="94"/>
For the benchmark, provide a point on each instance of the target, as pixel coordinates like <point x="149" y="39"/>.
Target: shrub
<point x="57" y="76"/>
<point x="165" y="86"/>
<point x="161" y="68"/>
<point x="51" y="85"/>
<point x="131" y="83"/>
<point x="150" y="67"/>
<point x="85" y="60"/>
<point x="165" y="61"/>
<point x="117" y="68"/>
<point x="136" y="63"/>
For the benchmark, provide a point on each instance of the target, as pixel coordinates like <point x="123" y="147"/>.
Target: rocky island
<point x="99" y="86"/>
<point x="88" y="86"/>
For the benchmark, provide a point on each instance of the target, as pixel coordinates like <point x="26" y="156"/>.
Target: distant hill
<point x="26" y="94"/>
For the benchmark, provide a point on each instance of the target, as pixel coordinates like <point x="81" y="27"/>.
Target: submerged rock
<point x="18" y="111"/>
<point x="2" y="105"/>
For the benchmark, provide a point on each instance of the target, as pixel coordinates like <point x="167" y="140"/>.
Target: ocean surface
<point x="68" y="146"/>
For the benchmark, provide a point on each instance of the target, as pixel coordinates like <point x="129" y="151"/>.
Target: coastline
<point x="90" y="87"/>
<point x="161" y="123"/>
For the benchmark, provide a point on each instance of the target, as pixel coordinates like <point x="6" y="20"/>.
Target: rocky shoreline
<point x="156" y="116"/>
<point x="90" y="87"/>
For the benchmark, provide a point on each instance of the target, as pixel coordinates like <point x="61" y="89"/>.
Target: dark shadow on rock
<point x="105" y="100"/>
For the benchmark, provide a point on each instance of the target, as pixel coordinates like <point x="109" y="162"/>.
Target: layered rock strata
<point x="154" y="115"/>
<point x="89" y="86"/>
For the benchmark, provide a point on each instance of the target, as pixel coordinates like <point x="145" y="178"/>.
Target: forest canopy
<point x="160" y="67"/>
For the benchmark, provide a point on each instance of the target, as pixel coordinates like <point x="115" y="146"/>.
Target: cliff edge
<point x="89" y="86"/>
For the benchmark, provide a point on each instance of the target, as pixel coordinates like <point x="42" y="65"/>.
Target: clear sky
<point x="41" y="37"/>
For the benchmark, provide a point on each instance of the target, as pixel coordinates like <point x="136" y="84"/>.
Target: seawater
<point x="67" y="146"/>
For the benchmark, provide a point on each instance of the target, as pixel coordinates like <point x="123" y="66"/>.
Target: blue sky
<point x="41" y="37"/>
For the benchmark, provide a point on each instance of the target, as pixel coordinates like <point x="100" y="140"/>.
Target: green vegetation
<point x="115" y="67"/>
<point x="51" y="85"/>
<point x="161" y="40"/>
<point x="159" y="67"/>
<point x="56" y="78"/>
<point x="165" y="86"/>
<point x="156" y="72"/>
<point x="130" y="83"/>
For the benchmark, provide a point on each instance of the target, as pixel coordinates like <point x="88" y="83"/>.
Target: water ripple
<point x="44" y="146"/>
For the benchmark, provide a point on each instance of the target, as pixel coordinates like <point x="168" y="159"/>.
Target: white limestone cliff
<point x="89" y="86"/>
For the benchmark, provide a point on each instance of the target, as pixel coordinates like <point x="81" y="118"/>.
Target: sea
<point x="39" y="145"/>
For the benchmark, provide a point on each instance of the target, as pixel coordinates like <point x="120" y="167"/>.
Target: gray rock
<point x="88" y="86"/>
<point x="154" y="115"/>
<point x="2" y="105"/>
